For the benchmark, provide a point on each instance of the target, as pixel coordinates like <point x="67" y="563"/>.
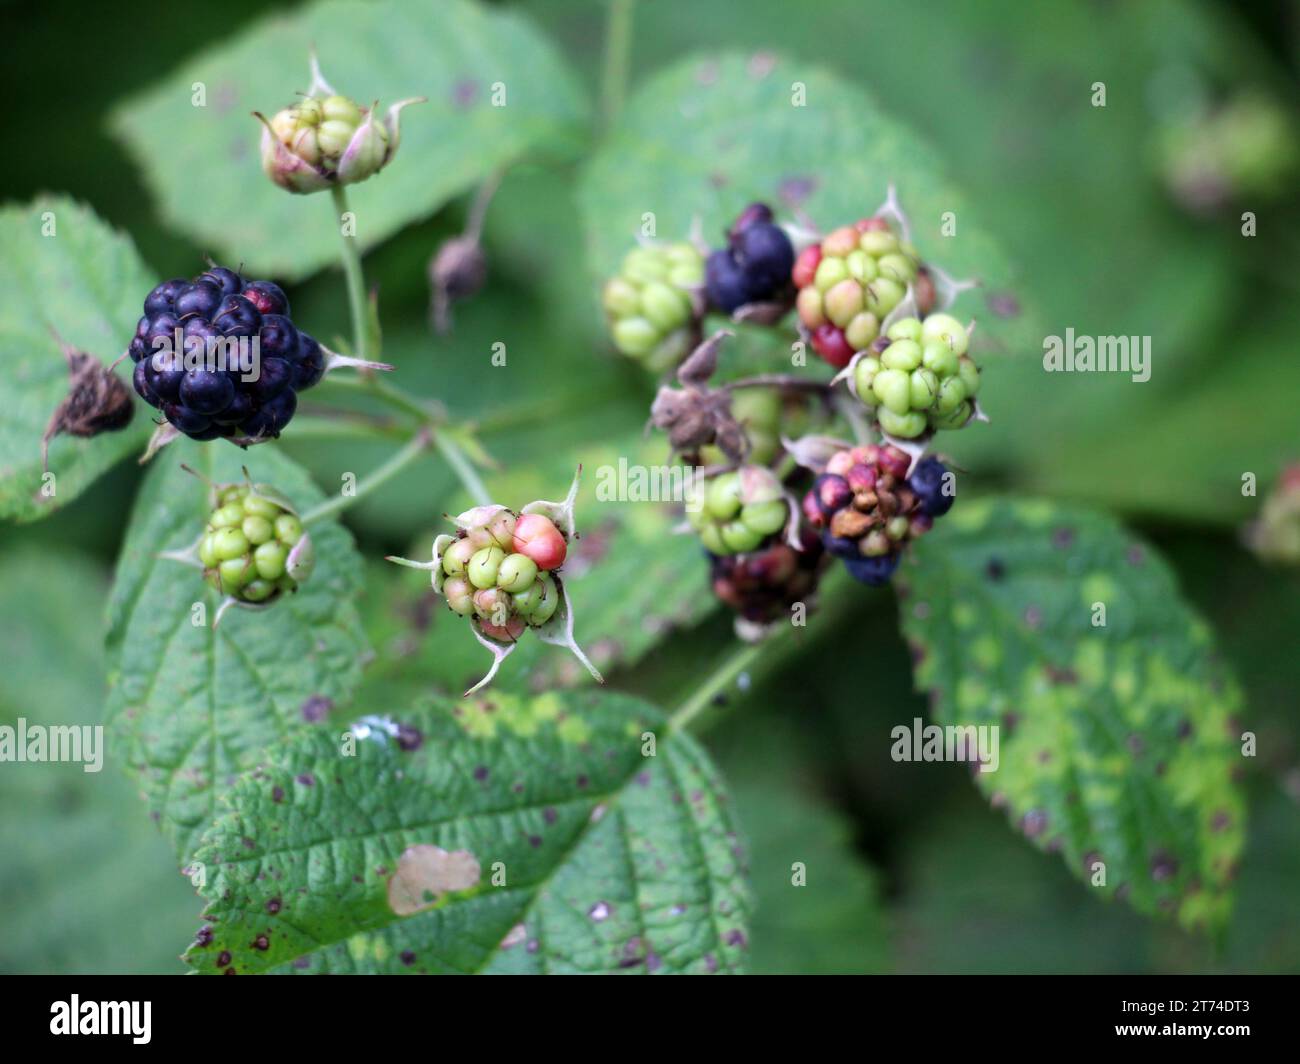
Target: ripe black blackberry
<point x="755" y="265"/>
<point x="220" y="357"/>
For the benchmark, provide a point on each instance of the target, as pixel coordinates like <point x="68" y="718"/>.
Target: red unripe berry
<point x="507" y="633"/>
<point x="812" y="512"/>
<point x="537" y="538"/>
<point x="862" y="478"/>
<point x="870" y="225"/>
<point x="829" y="342"/>
<point x="894" y="462"/>
<point x="805" y="266"/>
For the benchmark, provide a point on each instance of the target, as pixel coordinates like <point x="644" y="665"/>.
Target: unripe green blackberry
<point x="741" y="511"/>
<point x="254" y="548"/>
<point x="650" y="304"/>
<point x="918" y="376"/>
<point x="850" y="282"/>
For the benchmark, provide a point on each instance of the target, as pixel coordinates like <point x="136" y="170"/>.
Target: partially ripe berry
<point x="537" y="537"/>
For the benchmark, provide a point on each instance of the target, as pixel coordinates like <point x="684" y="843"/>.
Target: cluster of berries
<point x="254" y="548"/>
<point x="763" y="585"/>
<point x="867" y="508"/>
<point x="918" y="376"/>
<point x="499" y="571"/>
<point x="755" y="265"/>
<point x="740" y="510"/>
<point x="650" y="306"/>
<point x="849" y="283"/>
<point x="220" y="357"/>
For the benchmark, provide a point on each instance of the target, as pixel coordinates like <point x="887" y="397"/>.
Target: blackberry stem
<point x="418" y="444"/>
<point x="352" y="272"/>
<point x="618" y="48"/>
<point x="739" y="660"/>
<point x="462" y="467"/>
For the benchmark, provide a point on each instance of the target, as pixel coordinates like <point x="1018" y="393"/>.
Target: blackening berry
<point x="266" y="297"/>
<point x="163" y="297"/>
<point x="207" y="391"/>
<point x="842" y="547"/>
<point x="279" y="338"/>
<point x="725" y="282"/>
<point x="142" y="388"/>
<point x="227" y="280"/>
<point x="928" y="482"/>
<point x="831" y="493"/>
<point x="274" y="375"/>
<point x="236" y="316"/>
<point x="200" y="298"/>
<point x="310" y="367"/>
<point x="767" y="257"/>
<point x="164" y="372"/>
<point x="873" y="571"/>
<point x="187" y="420"/>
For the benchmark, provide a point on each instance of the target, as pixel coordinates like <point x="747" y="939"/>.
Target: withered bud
<point x="456" y="271"/>
<point x="97" y="401"/>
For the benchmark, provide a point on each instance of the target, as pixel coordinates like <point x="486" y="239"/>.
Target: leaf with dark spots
<point x="534" y="838"/>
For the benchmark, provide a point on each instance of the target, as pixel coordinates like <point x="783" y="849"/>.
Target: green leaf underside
<point x="86" y="281"/>
<point x="1117" y="743"/>
<point x="204" y="165"/>
<point x="713" y="133"/>
<point x="190" y="707"/>
<point x="612" y="861"/>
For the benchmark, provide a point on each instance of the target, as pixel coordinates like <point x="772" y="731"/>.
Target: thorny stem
<point x="352" y="271"/>
<point x="618" y="48"/>
<point x="418" y="444"/>
<point x="737" y="662"/>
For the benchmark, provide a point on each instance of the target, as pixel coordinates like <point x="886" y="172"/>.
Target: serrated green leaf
<point x="204" y="166"/>
<point x="591" y="856"/>
<point x="190" y="707"/>
<point x="85" y="280"/>
<point x="86" y="885"/>
<point x="712" y="133"/>
<point x="1117" y="740"/>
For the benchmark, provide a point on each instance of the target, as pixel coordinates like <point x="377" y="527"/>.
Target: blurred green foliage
<point x="919" y="874"/>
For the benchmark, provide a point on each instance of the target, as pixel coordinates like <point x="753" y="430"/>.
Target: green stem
<point x="737" y="662"/>
<point x="462" y="467"/>
<point x="418" y="444"/>
<point x="618" y="49"/>
<point x="352" y="271"/>
<point x="374" y="384"/>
